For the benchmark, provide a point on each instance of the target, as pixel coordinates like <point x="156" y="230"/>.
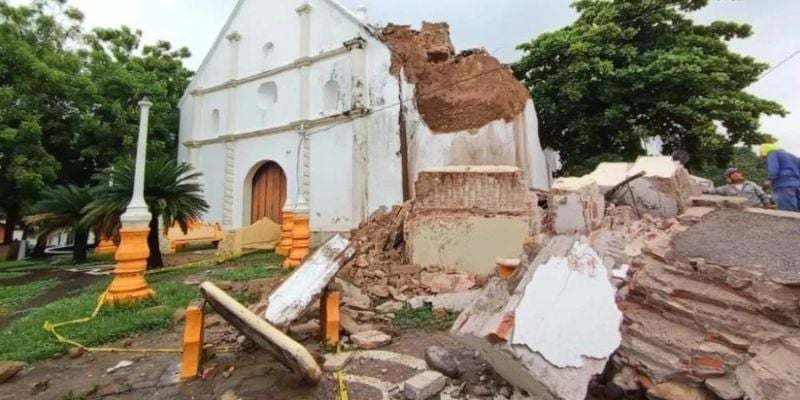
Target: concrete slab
<point x="496" y="323"/>
<point x="307" y="283"/>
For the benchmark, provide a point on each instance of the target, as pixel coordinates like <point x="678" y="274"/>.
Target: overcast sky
<point x="497" y="25"/>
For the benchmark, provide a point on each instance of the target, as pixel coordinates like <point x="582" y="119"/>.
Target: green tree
<point x="633" y="69"/>
<point x="170" y="190"/>
<point x="64" y="207"/>
<point x="36" y="80"/>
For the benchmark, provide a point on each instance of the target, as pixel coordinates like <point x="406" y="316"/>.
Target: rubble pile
<point x="715" y="305"/>
<point x="427" y="58"/>
<point x="379" y="267"/>
<point x="662" y="191"/>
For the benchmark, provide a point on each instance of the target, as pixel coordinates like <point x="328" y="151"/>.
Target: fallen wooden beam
<point x="288" y="352"/>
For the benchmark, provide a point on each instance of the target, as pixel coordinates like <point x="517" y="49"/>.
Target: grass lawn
<point x="12" y="295"/>
<point x="425" y="318"/>
<point x="25" y="340"/>
<point x="23" y="266"/>
<point x="249" y="273"/>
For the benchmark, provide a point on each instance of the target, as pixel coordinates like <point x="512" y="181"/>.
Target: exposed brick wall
<point x="494" y="190"/>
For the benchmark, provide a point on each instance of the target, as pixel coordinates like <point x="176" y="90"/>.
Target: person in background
<point x="741" y="187"/>
<point x="783" y="169"/>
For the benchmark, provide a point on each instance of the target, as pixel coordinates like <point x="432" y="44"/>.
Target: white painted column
<point x="304" y="62"/>
<point x="359" y="104"/>
<point x="137" y="213"/>
<point x="230" y="145"/>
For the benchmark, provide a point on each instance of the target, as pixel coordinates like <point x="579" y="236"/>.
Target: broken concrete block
<point x="307" y="328"/>
<point x="576" y="206"/>
<point x="463" y="241"/>
<point x="389" y="307"/>
<point x="444" y="282"/>
<point x="664" y="190"/>
<point x="550" y="329"/>
<point x="774" y="373"/>
<point x="451" y="301"/>
<point x="610" y="174"/>
<point x="424" y="386"/>
<point x="336" y="362"/>
<point x="370" y="340"/>
<point x="442" y="360"/>
<point x="725" y="388"/>
<point x="353" y="297"/>
<point x="350" y="326"/>
<point x="676" y="391"/>
<point x="307" y="283"/>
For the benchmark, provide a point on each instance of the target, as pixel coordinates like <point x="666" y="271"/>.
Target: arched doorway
<point x="269" y="193"/>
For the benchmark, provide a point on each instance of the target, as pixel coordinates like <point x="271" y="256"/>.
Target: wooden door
<point x="269" y="193"/>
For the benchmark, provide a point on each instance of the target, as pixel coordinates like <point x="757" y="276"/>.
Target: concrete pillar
<point x="230" y="145"/>
<point x="359" y="103"/>
<point x="230" y="173"/>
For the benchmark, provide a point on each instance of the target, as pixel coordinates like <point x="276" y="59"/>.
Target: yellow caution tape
<point x="343" y="394"/>
<point x="51" y="327"/>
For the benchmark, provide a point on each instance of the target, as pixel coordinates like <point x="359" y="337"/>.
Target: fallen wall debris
<point x="428" y="59"/>
<point x="716" y="304"/>
<point x="306" y="284"/>
<point x="552" y="326"/>
<point x="465" y="217"/>
<point x="576" y="206"/>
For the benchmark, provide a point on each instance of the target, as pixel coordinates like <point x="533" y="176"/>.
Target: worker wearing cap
<point x="740" y="187"/>
<point x="783" y="169"/>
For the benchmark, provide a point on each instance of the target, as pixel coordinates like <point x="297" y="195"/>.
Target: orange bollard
<point x="329" y="316"/>
<point x="507" y="266"/>
<point x="105" y="246"/>
<point x="301" y="240"/>
<point x="129" y="284"/>
<point x="192" y="356"/>
<point x="285" y="245"/>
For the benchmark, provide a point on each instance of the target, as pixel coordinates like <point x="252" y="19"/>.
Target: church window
<point x="267" y="95"/>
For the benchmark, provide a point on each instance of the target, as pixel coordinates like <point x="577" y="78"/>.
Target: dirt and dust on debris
<point x="454" y="92"/>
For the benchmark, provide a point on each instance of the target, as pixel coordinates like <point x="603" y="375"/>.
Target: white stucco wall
<point x="211" y="160"/>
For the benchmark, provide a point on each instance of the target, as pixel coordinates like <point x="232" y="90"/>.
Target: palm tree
<point x="170" y="190"/>
<point x="64" y="207"/>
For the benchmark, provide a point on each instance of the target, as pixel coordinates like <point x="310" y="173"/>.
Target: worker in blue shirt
<point x="783" y="169"/>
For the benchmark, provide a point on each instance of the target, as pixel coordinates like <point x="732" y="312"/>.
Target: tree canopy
<point x="628" y="70"/>
<point x="68" y="99"/>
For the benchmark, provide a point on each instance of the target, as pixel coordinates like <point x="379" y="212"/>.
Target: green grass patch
<point x="425" y="318"/>
<point x="25" y="340"/>
<point x="261" y="257"/>
<point x="9" y="275"/>
<point x="245" y="274"/>
<point x="17" y="294"/>
<point x="23" y="266"/>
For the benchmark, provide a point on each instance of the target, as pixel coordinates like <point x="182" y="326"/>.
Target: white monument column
<point x="129" y="284"/>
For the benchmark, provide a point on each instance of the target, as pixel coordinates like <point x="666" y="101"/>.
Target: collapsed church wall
<point x="467" y="108"/>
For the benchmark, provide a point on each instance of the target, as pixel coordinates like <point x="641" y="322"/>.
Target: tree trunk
<point x="12" y="217"/>
<point x="154" y="260"/>
<point x="41" y="246"/>
<point x="79" y="246"/>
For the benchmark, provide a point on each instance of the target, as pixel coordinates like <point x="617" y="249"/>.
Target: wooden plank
<point x="288" y="352"/>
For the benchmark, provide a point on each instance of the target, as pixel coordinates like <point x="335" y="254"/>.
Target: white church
<point x="295" y="102"/>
